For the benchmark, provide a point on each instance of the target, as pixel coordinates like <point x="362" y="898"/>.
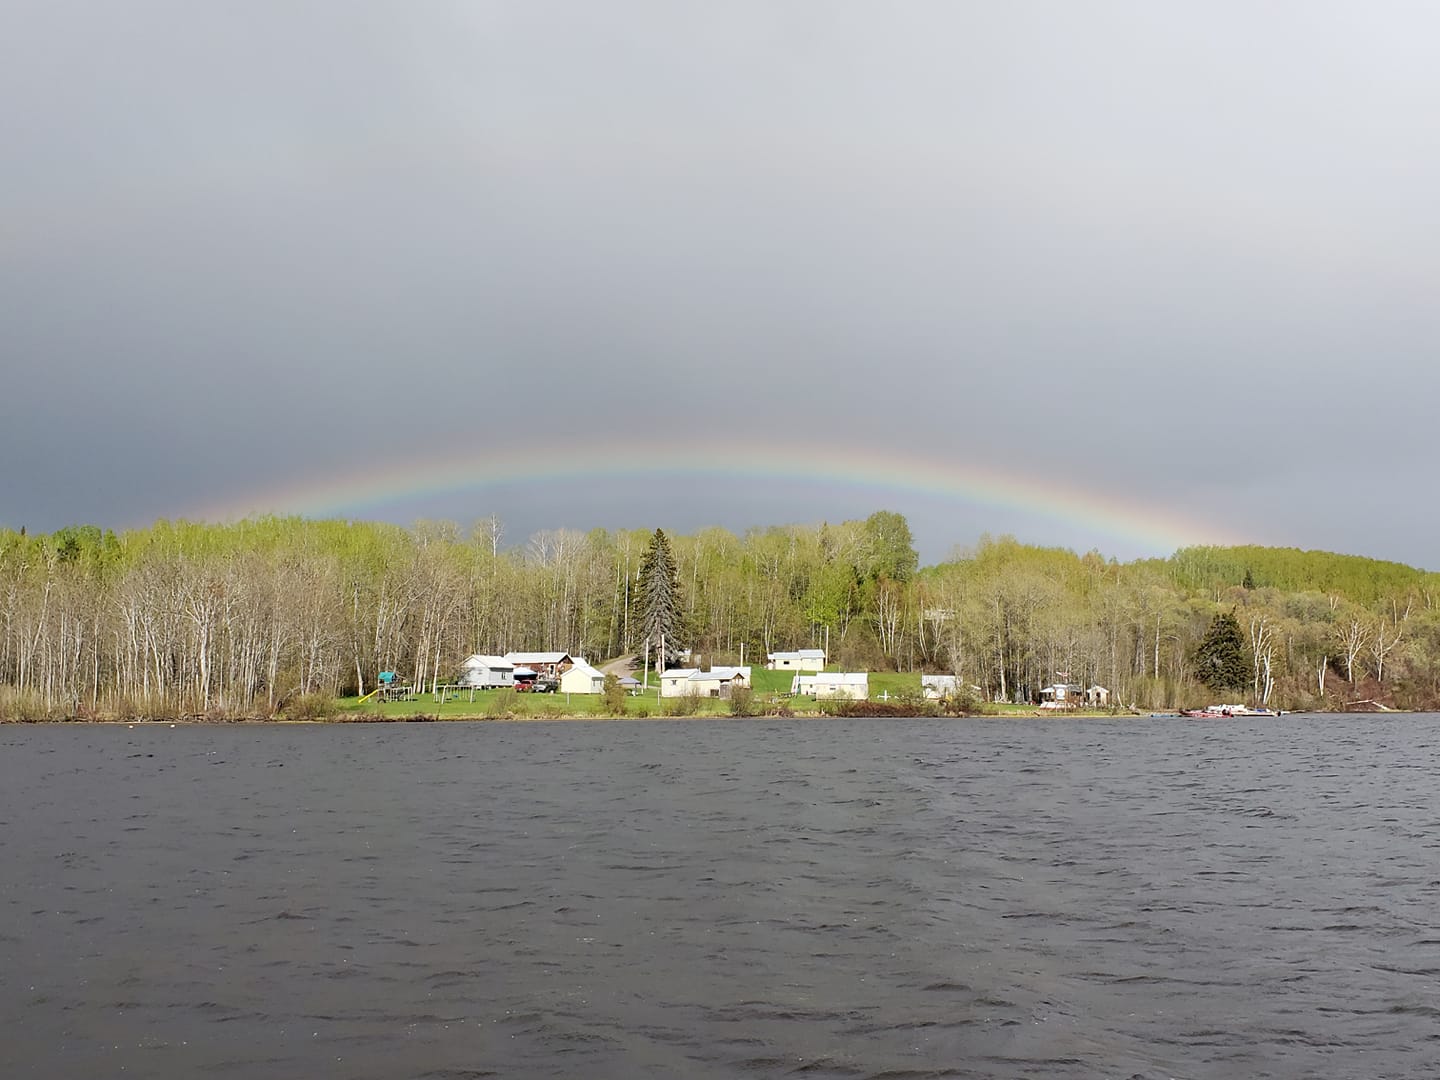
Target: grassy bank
<point x="894" y="693"/>
<point x="891" y="694"/>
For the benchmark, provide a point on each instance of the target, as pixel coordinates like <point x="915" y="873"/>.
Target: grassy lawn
<point x="772" y="690"/>
<point x="891" y="682"/>
<point x="771" y="682"/>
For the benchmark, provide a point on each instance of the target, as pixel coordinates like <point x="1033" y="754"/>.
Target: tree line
<point x="187" y="618"/>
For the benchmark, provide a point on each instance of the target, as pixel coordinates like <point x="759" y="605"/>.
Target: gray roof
<point x="492" y="662"/>
<point x="536" y="657"/>
<point x="715" y="674"/>
<point x="720" y="674"/>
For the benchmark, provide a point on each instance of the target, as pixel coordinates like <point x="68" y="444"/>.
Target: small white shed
<point x="935" y="687"/>
<point x="674" y="681"/>
<point x="581" y="679"/>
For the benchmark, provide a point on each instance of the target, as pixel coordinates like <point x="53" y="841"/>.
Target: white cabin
<point x="852" y="685"/>
<point x="799" y="660"/>
<point x="691" y="682"/>
<point x="487" y="672"/>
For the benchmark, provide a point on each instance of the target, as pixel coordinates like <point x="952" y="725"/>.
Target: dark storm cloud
<point x="1182" y="253"/>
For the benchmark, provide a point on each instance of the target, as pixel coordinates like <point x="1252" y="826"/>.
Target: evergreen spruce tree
<point x="1221" y="660"/>
<point x="659" y="599"/>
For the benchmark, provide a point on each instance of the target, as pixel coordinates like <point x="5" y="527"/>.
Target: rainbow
<point x="1156" y="528"/>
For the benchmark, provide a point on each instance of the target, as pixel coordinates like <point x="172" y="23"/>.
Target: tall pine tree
<point x="1221" y="659"/>
<point x="659" y="600"/>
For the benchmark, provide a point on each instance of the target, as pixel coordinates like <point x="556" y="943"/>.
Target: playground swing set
<point x="390" y="689"/>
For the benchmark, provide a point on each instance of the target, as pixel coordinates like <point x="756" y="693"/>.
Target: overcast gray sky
<point x="1179" y="255"/>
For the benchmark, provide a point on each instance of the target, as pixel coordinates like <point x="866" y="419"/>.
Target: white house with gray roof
<point x="486" y="672"/>
<point x="692" y="682"/>
<point x="799" y="660"/>
<point x="854" y="685"/>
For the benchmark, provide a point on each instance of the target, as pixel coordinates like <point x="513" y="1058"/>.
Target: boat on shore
<point x="1225" y="712"/>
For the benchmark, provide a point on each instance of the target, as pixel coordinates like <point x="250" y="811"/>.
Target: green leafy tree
<point x="1221" y="659"/>
<point x="888" y="549"/>
<point x="659" y="599"/>
<point x="742" y="701"/>
<point x="613" y="694"/>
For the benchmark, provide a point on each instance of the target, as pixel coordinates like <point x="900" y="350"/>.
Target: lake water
<point x="836" y="898"/>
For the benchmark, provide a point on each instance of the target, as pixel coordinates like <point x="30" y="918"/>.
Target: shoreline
<point x="425" y="718"/>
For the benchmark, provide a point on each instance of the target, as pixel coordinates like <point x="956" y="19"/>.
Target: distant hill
<point x="1355" y="577"/>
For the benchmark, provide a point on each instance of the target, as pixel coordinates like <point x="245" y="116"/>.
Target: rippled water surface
<point x="843" y="898"/>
